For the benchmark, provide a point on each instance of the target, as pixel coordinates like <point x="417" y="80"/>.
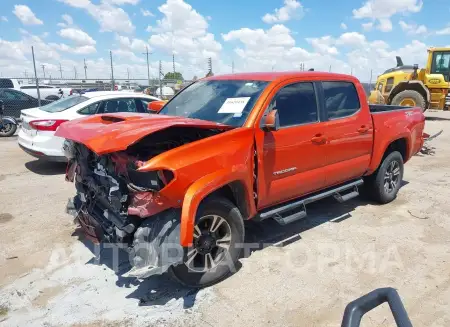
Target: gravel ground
<point x="51" y="276"/>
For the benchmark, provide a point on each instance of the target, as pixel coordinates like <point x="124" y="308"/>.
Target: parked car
<point x="47" y="92"/>
<point x="177" y="186"/>
<point x="15" y="101"/>
<point x="9" y="83"/>
<point x="37" y="134"/>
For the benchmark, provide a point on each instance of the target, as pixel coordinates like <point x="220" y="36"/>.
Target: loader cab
<point x="440" y="63"/>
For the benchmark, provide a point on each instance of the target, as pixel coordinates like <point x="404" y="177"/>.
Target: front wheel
<point x="8" y="129"/>
<point x="384" y="184"/>
<point x="410" y="98"/>
<point x="217" y="245"/>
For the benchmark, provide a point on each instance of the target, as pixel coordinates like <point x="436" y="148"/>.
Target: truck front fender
<point x="205" y="186"/>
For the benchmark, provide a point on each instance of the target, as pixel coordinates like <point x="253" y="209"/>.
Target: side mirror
<point x="2" y="107"/>
<point x="156" y="106"/>
<point x="272" y="121"/>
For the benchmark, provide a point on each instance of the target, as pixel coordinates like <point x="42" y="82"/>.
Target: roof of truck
<point x="271" y="76"/>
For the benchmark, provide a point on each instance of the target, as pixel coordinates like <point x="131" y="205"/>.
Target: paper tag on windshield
<point x="234" y="105"/>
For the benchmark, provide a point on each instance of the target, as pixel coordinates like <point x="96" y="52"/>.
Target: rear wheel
<point x="410" y="98"/>
<point x="218" y="234"/>
<point x="8" y="129"/>
<point x="384" y="184"/>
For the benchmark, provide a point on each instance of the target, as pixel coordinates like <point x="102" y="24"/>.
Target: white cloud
<point x="184" y="32"/>
<point x="3" y="18"/>
<point x="290" y="10"/>
<point x="383" y="10"/>
<point x="146" y="13"/>
<point x="343" y="26"/>
<point x="367" y="26"/>
<point x="413" y="29"/>
<point x="26" y="16"/>
<point x="136" y="45"/>
<point x="351" y="39"/>
<point x="444" y="31"/>
<point x="78" y="36"/>
<point x="84" y="49"/>
<point x="68" y="19"/>
<point x="110" y="17"/>
<point x="385" y="25"/>
<point x="122" y="2"/>
<point x="377" y="9"/>
<point x="323" y="45"/>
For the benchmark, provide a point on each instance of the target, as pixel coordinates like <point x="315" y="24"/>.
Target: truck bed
<point x="375" y="108"/>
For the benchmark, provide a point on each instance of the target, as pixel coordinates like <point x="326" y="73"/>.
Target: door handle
<point x="363" y="129"/>
<point x="319" y="139"/>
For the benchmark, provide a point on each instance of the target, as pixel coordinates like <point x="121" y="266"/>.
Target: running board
<point x="295" y="210"/>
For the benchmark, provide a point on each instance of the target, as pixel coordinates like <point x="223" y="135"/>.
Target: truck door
<point x="349" y="132"/>
<point x="292" y="159"/>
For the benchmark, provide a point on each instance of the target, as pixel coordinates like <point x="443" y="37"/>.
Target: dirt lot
<point x="51" y="276"/>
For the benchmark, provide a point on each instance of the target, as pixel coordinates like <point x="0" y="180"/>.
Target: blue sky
<point x="350" y="36"/>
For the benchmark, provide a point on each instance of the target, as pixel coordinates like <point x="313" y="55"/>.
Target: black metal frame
<point x="356" y="309"/>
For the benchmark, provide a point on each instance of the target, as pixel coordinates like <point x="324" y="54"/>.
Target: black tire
<point x="8" y="130"/>
<point x="375" y="183"/>
<point x="52" y="98"/>
<point x="414" y="95"/>
<point x="231" y="214"/>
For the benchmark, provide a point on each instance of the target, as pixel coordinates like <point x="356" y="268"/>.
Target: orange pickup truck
<point x="176" y="187"/>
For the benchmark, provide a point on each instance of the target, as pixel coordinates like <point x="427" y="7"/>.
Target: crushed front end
<point x="112" y="199"/>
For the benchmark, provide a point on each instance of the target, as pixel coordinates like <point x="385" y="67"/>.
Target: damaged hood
<point x="115" y="132"/>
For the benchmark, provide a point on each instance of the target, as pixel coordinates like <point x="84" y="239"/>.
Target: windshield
<point x="63" y="104"/>
<point x="227" y="102"/>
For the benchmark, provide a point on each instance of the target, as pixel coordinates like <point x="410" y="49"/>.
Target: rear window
<point x="6" y="83"/>
<point x="64" y="104"/>
<point x="341" y="99"/>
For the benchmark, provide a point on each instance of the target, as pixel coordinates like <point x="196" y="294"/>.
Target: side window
<point x="341" y="99"/>
<point x="14" y="95"/>
<point x="389" y="84"/>
<point x="145" y="103"/>
<point x="441" y="64"/>
<point x="296" y="104"/>
<point x="90" y="110"/>
<point x="120" y="105"/>
<point x="380" y="87"/>
<point x="6" y="83"/>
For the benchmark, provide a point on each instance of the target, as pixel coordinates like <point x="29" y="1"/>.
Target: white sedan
<point x="37" y="134"/>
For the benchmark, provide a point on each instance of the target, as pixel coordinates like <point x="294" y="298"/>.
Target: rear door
<point x="349" y="131"/>
<point x="292" y="159"/>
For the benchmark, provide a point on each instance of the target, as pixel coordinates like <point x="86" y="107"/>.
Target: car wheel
<point x="218" y="239"/>
<point x="8" y="130"/>
<point x="384" y="184"/>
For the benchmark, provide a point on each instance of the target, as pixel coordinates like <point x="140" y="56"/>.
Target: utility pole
<point x="173" y="62"/>
<point x="370" y="81"/>
<point x="75" y="71"/>
<point x="112" y="71"/>
<point x="25" y="73"/>
<point x="148" y="65"/>
<point x="210" y="72"/>
<point x="35" y="75"/>
<point x="330" y="69"/>
<point x="351" y="71"/>
<point x="128" y="74"/>
<point x="85" y="69"/>
<point x="60" y="70"/>
<point x="43" y="69"/>
<point x="232" y="67"/>
<point x="160" y="80"/>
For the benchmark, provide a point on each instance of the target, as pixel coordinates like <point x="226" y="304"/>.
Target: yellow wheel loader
<point x="407" y="85"/>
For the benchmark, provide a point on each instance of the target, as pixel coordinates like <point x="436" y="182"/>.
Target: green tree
<point x="173" y="75"/>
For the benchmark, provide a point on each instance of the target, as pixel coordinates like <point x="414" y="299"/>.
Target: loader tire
<point x="383" y="185"/>
<point x="218" y="236"/>
<point x="410" y="98"/>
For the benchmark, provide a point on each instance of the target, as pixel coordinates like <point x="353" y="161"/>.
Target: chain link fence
<point x="35" y="90"/>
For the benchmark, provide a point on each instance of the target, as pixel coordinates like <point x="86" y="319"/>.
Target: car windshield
<point x="63" y="104"/>
<point x="226" y="102"/>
